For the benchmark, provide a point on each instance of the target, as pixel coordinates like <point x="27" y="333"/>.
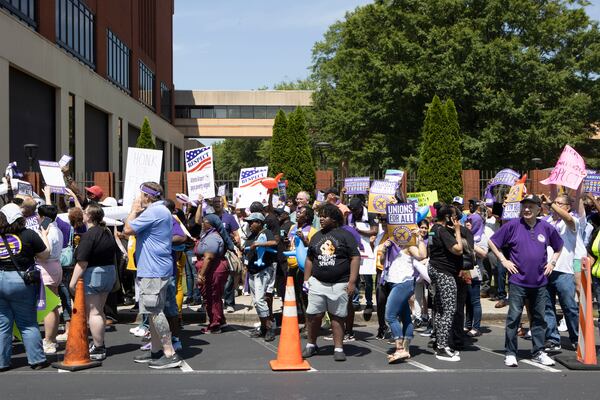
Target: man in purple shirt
<point x="525" y="240"/>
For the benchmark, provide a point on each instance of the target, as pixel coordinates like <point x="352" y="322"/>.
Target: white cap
<point x="458" y="200"/>
<point x="12" y="212"/>
<point x="109" y="202"/>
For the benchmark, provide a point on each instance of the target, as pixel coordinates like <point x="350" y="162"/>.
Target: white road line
<point x="60" y="371"/>
<point x="185" y="367"/>
<point x="264" y="344"/>
<point x="529" y="362"/>
<point x="413" y="363"/>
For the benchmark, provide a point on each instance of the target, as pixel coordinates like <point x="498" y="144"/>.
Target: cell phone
<point x="45" y="222"/>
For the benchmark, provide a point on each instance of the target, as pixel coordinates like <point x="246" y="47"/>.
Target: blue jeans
<point x="499" y="273"/>
<point x="171" y="309"/>
<point x="191" y="275"/>
<point x="397" y="307"/>
<point x="18" y="305"/>
<point x="563" y="285"/>
<point x="473" y="306"/>
<point x="537" y="302"/>
<point x="229" y="292"/>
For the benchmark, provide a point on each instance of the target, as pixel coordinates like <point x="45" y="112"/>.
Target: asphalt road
<point x="232" y="365"/>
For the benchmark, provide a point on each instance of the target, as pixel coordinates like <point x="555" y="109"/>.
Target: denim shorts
<point x="99" y="279"/>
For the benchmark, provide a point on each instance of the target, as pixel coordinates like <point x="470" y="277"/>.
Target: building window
<point x="75" y="30"/>
<point x="146" y="85"/>
<point x="165" y="101"/>
<point x="182" y="112"/>
<point x="176" y="158"/>
<point x="233" y="112"/>
<point x="117" y="61"/>
<point x="23" y="9"/>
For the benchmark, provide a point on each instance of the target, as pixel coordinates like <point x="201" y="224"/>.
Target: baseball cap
<point x="256" y="206"/>
<point x="12" y="212"/>
<point x="532" y="198"/>
<point x="474" y="200"/>
<point x="96" y="191"/>
<point x="255" y="216"/>
<point x="458" y="200"/>
<point x="109" y="202"/>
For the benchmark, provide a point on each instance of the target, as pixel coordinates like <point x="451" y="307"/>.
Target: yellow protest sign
<point x="401" y="221"/>
<point x="381" y="194"/>
<point x="424" y="198"/>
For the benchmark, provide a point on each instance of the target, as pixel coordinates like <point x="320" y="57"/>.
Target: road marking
<point x="264" y="344"/>
<point x="185" y="367"/>
<point x="62" y="370"/>
<point x="410" y="362"/>
<point x="528" y="362"/>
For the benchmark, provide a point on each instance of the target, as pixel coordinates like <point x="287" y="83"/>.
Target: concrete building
<point x="230" y="114"/>
<point x="78" y="77"/>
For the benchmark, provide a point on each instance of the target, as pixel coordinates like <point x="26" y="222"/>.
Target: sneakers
<point x="349" y="337"/>
<point x="381" y="333"/>
<point x="62" y="337"/>
<point x="259" y="332"/>
<point x="229" y="309"/>
<point x="49" y="347"/>
<point x="146" y="347"/>
<point x="97" y="353"/>
<point x="139" y="331"/>
<point x="550" y="346"/>
<point x="426" y="333"/>
<point x="447" y="354"/>
<point x="148" y="357"/>
<point x="270" y="335"/>
<point x="542" y="358"/>
<point x="166" y="362"/>
<point x="339" y="356"/>
<point x="562" y="326"/>
<point x="310" y="351"/>
<point x="511" y="361"/>
<point x="501" y="303"/>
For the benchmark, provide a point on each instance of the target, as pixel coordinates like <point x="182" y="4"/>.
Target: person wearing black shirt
<point x="95" y="257"/>
<point x="330" y="274"/>
<point x="285" y="224"/>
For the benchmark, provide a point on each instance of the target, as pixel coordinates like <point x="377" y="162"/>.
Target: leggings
<point x="445" y="305"/>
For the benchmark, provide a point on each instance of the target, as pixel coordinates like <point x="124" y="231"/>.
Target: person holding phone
<point x="51" y="271"/>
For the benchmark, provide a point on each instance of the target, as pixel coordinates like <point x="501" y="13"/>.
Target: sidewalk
<point x="245" y="313"/>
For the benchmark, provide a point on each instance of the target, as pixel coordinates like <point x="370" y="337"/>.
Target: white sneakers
<point x="542" y="358"/>
<point x="511" y="361"/>
<point x="447" y="354"/>
<point x="49" y="347"/>
<point x="562" y="326"/>
<point x="139" y="331"/>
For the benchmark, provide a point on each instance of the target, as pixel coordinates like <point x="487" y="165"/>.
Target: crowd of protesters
<point x="433" y="287"/>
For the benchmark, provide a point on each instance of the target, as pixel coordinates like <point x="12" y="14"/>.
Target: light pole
<point x="31" y="153"/>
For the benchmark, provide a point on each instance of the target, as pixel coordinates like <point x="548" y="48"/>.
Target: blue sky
<point x="247" y="44"/>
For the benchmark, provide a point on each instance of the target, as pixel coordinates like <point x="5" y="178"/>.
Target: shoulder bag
<point x="31" y="276"/>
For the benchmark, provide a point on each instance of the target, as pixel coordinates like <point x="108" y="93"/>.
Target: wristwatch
<point x="553" y="262"/>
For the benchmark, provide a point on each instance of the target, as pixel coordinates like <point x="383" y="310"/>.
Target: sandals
<point x="397" y="356"/>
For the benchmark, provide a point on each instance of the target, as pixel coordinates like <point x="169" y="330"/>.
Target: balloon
<point x="261" y="250"/>
<point x="300" y="253"/>
<point x="422" y="213"/>
<point x="271" y="183"/>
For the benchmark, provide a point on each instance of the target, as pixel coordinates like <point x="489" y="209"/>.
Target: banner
<point x="200" y="173"/>
<point x="381" y="194"/>
<point x="569" y="170"/>
<point x="511" y="210"/>
<point x="424" y="198"/>
<point x="393" y="175"/>
<point x="358" y="185"/>
<point x="591" y="184"/>
<point x="53" y="176"/>
<point x="250" y="187"/>
<point x="402" y="220"/>
<point x="143" y="165"/>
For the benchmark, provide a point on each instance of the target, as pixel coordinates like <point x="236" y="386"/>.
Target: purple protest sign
<point x="358" y="185"/>
<point x="591" y="184"/>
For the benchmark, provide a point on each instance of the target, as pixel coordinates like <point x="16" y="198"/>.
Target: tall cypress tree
<point x="279" y="144"/>
<point x="145" y="140"/>
<point x="439" y="156"/>
<point x="299" y="169"/>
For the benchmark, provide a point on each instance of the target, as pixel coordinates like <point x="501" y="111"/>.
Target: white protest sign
<point x="64" y="160"/>
<point x="200" y="172"/>
<point x="53" y="176"/>
<point x="250" y="186"/>
<point x="143" y="165"/>
<point x="221" y="190"/>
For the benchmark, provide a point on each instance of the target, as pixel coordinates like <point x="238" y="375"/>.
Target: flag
<point x="198" y="159"/>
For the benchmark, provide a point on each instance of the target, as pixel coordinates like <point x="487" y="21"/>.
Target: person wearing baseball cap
<point x="94" y="193"/>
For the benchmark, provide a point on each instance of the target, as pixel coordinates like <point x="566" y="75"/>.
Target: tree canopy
<point x="145" y="139"/>
<point x="523" y="75"/>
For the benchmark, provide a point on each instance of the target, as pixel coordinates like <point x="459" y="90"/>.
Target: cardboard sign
<point x="381" y="194"/>
<point x="516" y="194"/>
<point x="393" y="175"/>
<point x="64" y="160"/>
<point x="320" y="196"/>
<point x="511" y="210"/>
<point x="143" y="165"/>
<point x="235" y="196"/>
<point x="402" y="220"/>
<point x="53" y="176"/>
<point x="250" y="187"/>
<point x="359" y="185"/>
<point x="505" y="177"/>
<point x="200" y="172"/>
<point x="569" y="170"/>
<point x="424" y="198"/>
<point x="221" y="190"/>
<point x="591" y="184"/>
<point x="282" y="189"/>
<point x="24" y="188"/>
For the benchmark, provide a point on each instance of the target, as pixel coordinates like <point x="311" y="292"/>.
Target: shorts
<point x="99" y="279"/>
<point x="330" y="297"/>
<point x="576" y="266"/>
<point x="51" y="271"/>
<point x="153" y="295"/>
<point x="171" y="309"/>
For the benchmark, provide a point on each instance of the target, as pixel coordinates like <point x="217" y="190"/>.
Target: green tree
<point x="233" y="154"/>
<point x="280" y="148"/>
<point x="299" y="168"/>
<point x="439" y="157"/>
<point x="523" y="75"/>
<point x="145" y="139"/>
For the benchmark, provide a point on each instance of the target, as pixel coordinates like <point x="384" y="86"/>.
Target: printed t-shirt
<point x="331" y="253"/>
<point x="24" y="246"/>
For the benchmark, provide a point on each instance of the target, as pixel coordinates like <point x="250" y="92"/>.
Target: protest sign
<point x="235" y="196"/>
<point x="505" y="177"/>
<point x="24" y="188"/>
<point x="359" y="185"/>
<point x="200" y="172"/>
<point x="393" y="175"/>
<point x="282" y="189"/>
<point x="320" y="196"/>
<point x="221" y="190"/>
<point x="250" y="187"/>
<point x="516" y="193"/>
<point x="511" y="210"/>
<point x="591" y="184"/>
<point x="64" y="160"/>
<point x="143" y="165"/>
<point x="381" y="194"/>
<point x="424" y="198"/>
<point x="402" y="220"/>
<point x="53" y="176"/>
<point x="569" y="170"/>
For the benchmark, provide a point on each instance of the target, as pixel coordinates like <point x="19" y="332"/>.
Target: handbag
<point x="234" y="263"/>
<point x="67" y="253"/>
<point x="31" y="276"/>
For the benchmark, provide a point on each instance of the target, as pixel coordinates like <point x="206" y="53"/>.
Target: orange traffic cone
<point x="77" y="353"/>
<point x="289" y="354"/>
